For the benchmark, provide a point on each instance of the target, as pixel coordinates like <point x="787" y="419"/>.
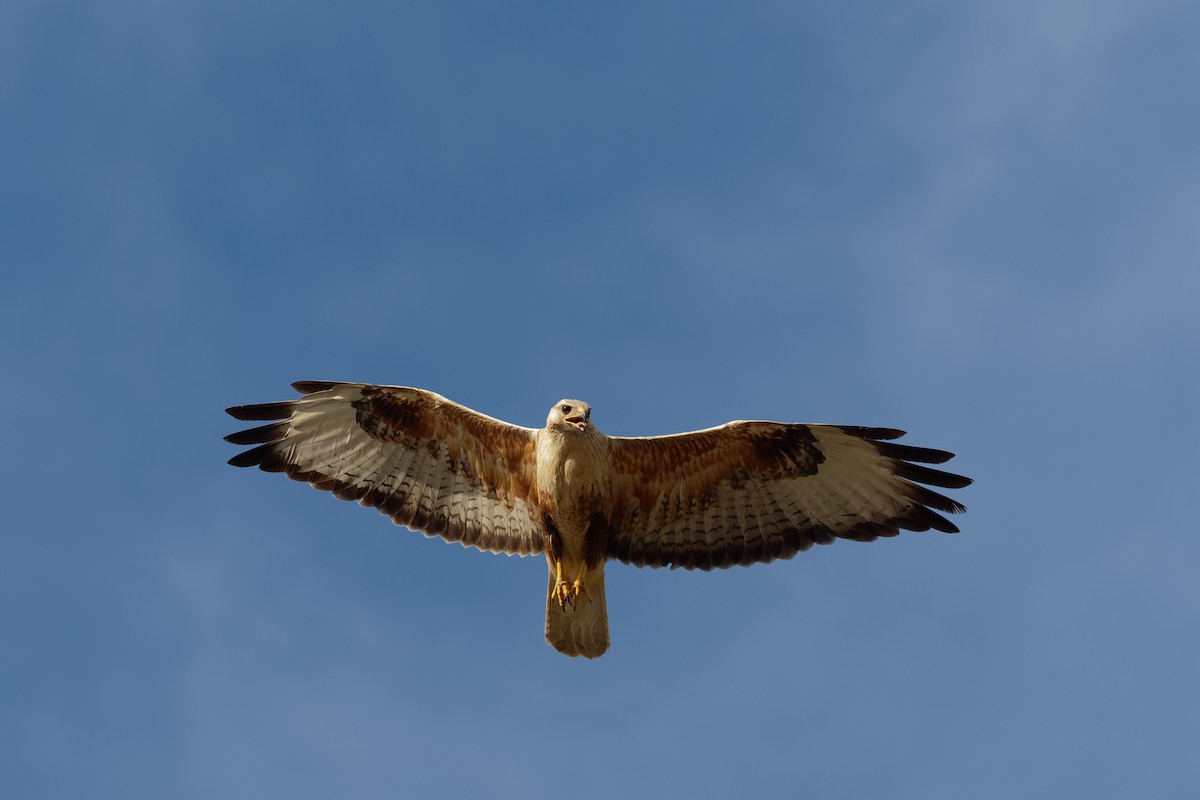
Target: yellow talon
<point x="561" y="591"/>
<point x="565" y="593"/>
<point x="579" y="588"/>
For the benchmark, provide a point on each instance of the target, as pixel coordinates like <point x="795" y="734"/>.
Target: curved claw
<point x="566" y="593"/>
<point x="579" y="589"/>
<point x="562" y="593"/>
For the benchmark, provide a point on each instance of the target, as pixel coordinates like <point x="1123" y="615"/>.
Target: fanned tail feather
<point x="582" y="630"/>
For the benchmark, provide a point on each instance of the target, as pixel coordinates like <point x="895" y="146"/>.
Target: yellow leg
<point x="579" y="588"/>
<point x="561" y="591"/>
<point x="565" y="593"/>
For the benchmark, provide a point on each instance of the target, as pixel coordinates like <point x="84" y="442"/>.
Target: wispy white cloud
<point x="1021" y="83"/>
<point x="767" y="236"/>
<point x="301" y="691"/>
<point x="1024" y="67"/>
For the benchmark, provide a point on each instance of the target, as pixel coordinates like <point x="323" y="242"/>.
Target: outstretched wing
<point x="429" y="464"/>
<point x="752" y="492"/>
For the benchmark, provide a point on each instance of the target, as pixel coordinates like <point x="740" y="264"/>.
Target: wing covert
<point x="428" y="463"/>
<point x="751" y="492"/>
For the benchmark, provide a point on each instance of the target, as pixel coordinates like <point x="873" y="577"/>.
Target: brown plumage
<point x="741" y="493"/>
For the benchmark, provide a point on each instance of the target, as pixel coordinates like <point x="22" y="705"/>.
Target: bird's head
<point x="570" y="414"/>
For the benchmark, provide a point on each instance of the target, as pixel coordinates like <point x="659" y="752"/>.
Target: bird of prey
<point x="741" y="493"/>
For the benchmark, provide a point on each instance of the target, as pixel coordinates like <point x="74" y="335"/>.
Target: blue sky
<point x="974" y="221"/>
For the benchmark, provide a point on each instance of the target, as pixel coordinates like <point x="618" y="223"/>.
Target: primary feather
<point x="738" y="494"/>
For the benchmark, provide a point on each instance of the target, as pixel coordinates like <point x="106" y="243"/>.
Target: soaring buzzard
<point x="741" y="493"/>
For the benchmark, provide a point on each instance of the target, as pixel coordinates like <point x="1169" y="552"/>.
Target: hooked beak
<point x="578" y="421"/>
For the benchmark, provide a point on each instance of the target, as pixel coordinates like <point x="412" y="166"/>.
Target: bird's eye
<point x="565" y="409"/>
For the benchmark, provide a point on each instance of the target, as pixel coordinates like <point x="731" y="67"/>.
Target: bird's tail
<point x="582" y="629"/>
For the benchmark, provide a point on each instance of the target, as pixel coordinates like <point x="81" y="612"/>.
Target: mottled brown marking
<point x="455" y="484"/>
<point x="595" y="541"/>
<point x="789" y="450"/>
<point x="388" y="415"/>
<point x="554" y="544"/>
<point x="704" y="500"/>
<point x="735" y="495"/>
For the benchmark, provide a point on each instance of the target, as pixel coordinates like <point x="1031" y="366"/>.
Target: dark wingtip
<point x="872" y="433"/>
<point x="932" y="477"/>
<point x="308" y="387"/>
<point x="266" y="433"/>
<point x="940" y="523"/>
<point x="266" y="457"/>
<point x="249" y="458"/>
<point x="907" y="452"/>
<point x="261" y="411"/>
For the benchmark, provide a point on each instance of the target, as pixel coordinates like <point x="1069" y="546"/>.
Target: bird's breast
<point x="573" y="477"/>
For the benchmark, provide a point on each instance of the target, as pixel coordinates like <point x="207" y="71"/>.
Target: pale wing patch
<point x="752" y="492"/>
<point x="429" y="464"/>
